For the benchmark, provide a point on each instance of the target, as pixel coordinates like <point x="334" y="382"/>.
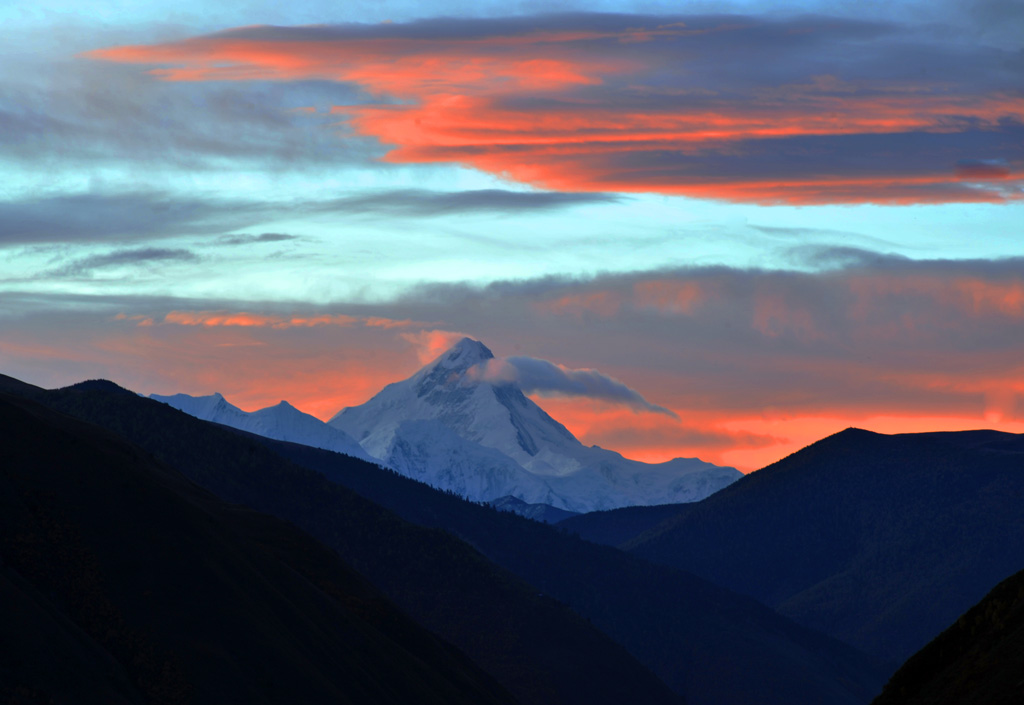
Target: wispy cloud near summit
<point x="536" y="376"/>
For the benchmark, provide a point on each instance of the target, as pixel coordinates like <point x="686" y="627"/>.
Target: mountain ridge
<point x="281" y="421"/>
<point x="879" y="540"/>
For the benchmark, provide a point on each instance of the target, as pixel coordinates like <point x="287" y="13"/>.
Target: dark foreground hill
<point x="534" y="646"/>
<point x="979" y="660"/>
<point x="881" y="541"/>
<point x="617" y="527"/>
<point x="123" y="582"/>
<point x="709" y="644"/>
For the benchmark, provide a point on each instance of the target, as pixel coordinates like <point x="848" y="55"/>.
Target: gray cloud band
<point x="151" y="215"/>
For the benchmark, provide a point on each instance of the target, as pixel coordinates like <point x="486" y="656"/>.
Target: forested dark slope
<point x="711" y="644"/>
<point x="534" y="646"/>
<point x="978" y="660"/>
<point x="880" y="541"/>
<point x="123" y="582"/>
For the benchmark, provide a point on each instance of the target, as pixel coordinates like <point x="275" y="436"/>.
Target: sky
<point x="700" y="229"/>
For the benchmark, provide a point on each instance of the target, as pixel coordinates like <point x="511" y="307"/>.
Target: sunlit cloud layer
<point x="255" y="320"/>
<point x="804" y="110"/>
<point x="733" y="365"/>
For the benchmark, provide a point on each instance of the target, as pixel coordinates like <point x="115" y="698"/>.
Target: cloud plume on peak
<point x="536" y="376"/>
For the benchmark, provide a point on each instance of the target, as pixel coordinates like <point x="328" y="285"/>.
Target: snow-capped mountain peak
<point x="453" y="390"/>
<point x="456" y="392"/>
<point x="464" y="354"/>
<point x="205" y="407"/>
<point x="459" y="366"/>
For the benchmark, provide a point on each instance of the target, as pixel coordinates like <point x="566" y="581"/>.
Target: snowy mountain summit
<point x="457" y="425"/>
<point x="282" y="422"/>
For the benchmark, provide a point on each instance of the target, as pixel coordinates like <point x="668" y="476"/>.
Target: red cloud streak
<point x="621" y="110"/>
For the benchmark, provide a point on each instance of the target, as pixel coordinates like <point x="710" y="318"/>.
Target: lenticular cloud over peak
<point x="546" y="378"/>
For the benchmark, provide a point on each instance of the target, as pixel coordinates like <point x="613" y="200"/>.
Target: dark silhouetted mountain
<point x="979" y="660"/>
<point x="101" y="385"/>
<point x="538" y="512"/>
<point x="46" y="657"/>
<point x="614" y="527"/>
<point x="708" y="643"/>
<point x="16" y="386"/>
<point x="880" y="541"/>
<point x="123" y="582"/>
<point x="533" y="645"/>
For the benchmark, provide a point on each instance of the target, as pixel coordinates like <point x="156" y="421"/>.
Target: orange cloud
<point x="664" y="295"/>
<point x="592" y="150"/>
<point x="802" y="430"/>
<point x="669" y="296"/>
<point x="578" y="108"/>
<point x="138" y="319"/>
<point x="254" y="320"/>
<point x="775" y="315"/>
<point x="656" y="438"/>
<point x="381" y="65"/>
<point x="601" y="303"/>
<point x="378" y="322"/>
<point x="866" y="304"/>
<point x="318" y="369"/>
<point x="319" y="375"/>
<point x="965" y="294"/>
<point x="980" y="171"/>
